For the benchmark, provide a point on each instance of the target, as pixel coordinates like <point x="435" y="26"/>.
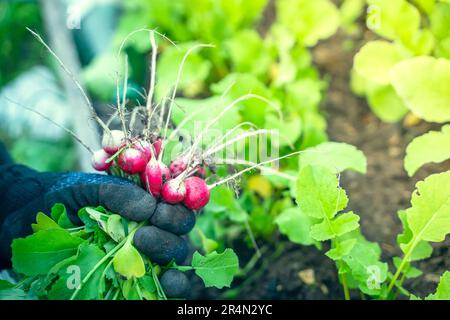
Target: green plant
<point x="97" y="261"/>
<point x="318" y="217"/>
<point x="15" y="39"/>
<point x="410" y="71"/>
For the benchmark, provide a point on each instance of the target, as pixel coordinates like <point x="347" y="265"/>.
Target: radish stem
<point x="152" y="72"/>
<point x="121" y="105"/>
<point x="152" y="81"/>
<point x="140" y="30"/>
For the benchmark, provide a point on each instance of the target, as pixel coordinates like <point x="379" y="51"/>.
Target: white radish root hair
<point x="235" y="162"/>
<point x="257" y="165"/>
<point x="70" y="132"/>
<point x="72" y="77"/>
<point x="177" y="81"/>
<point x="221" y="114"/>
<point x="242" y="136"/>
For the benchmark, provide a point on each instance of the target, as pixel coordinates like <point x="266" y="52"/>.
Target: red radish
<point x="177" y="167"/>
<point x="112" y="141"/>
<point x="99" y="160"/>
<point x="197" y="193"/>
<point x="173" y="191"/>
<point x="155" y="174"/>
<point x="200" y="172"/>
<point x="144" y="147"/>
<point x="132" y="161"/>
<point x="157" y="146"/>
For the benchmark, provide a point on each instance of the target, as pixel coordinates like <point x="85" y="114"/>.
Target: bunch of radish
<point x="176" y="183"/>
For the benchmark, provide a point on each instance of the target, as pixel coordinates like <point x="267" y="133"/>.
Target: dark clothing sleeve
<point x="5" y="158"/>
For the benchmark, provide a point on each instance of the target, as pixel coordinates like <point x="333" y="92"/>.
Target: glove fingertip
<point x="160" y="246"/>
<point x="130" y="202"/>
<point x="175" y="284"/>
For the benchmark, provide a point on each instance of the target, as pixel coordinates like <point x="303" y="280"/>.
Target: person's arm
<point x="25" y="192"/>
<point x="5" y="158"/>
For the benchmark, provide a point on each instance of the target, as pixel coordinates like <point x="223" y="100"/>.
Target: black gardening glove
<point x="25" y="192"/>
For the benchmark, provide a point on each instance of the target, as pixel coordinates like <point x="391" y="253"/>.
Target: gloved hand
<point x="25" y="192"/>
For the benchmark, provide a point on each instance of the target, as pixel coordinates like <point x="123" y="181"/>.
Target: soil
<point x="304" y="272"/>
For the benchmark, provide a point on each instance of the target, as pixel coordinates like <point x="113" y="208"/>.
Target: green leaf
<point x="208" y="245"/>
<point x="44" y="222"/>
<point x="6" y="284"/>
<point x="443" y="48"/>
<point x="38" y="253"/>
<point x="202" y="111"/>
<point x="409" y="272"/>
<point x="425" y="5"/>
<point x="100" y="75"/>
<point x="433" y="146"/>
<point x="443" y="289"/>
<point x="429" y="216"/>
<point x="254" y="57"/>
<point x="295" y="224"/>
<point x="364" y="266"/>
<point x="59" y="214"/>
<point x="386" y="104"/>
<point x="422" y="250"/>
<point x="422" y="43"/>
<point x="128" y="262"/>
<point x="129" y="290"/>
<point x="195" y="71"/>
<point x="375" y="59"/>
<point x="114" y="227"/>
<point x="303" y="95"/>
<point x="335" y="156"/>
<point x="236" y="85"/>
<point x="341" y="249"/>
<point x="216" y="269"/>
<point x="395" y="20"/>
<point x="318" y="193"/>
<point x="350" y="11"/>
<point x="222" y="199"/>
<point x="309" y="21"/>
<point x="342" y="224"/>
<point x="440" y="20"/>
<point x="14" y="294"/>
<point x="57" y="211"/>
<point x="98" y="215"/>
<point x="288" y="129"/>
<point x="147" y="283"/>
<point x="423" y="83"/>
<point x="74" y="271"/>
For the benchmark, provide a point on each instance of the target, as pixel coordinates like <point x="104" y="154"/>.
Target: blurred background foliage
<point x="260" y="46"/>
